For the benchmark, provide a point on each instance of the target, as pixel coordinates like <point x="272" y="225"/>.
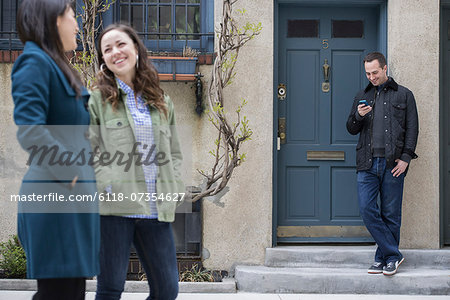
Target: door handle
<point x="326" y="76"/>
<point x="326" y="70"/>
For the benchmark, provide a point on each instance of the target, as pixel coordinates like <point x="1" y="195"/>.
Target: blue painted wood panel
<point x="303" y="113"/>
<point x="301" y="208"/>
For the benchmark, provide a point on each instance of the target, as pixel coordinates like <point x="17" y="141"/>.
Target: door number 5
<point x="325" y="44"/>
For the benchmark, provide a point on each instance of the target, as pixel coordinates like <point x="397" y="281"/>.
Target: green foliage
<point x="231" y="41"/>
<point x="249" y="29"/>
<point x="229" y="61"/>
<point x="254" y="28"/>
<point x="218" y="109"/>
<point x="213" y="121"/>
<point x="13" y="261"/>
<point x="107" y="4"/>
<point x="80" y="64"/>
<point x="196" y="274"/>
<point x="242" y="11"/>
<point x="86" y="61"/>
<point x="246" y="131"/>
<point x="244" y="103"/>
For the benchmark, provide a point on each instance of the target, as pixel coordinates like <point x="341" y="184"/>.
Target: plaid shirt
<point x="144" y="134"/>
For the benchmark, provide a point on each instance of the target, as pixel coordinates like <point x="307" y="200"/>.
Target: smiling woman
<point x="122" y="45"/>
<point x="120" y="55"/>
<point x="129" y="101"/>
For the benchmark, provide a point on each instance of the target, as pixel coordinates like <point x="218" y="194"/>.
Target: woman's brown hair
<point x="145" y="82"/>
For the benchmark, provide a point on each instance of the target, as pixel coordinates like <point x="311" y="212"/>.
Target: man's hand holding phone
<point x="364" y="108"/>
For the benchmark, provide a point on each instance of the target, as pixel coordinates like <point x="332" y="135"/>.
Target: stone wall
<point x="413" y="61"/>
<point x="10" y="176"/>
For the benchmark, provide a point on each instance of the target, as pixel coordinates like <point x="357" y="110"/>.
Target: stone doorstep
<point x="350" y="256"/>
<point x="262" y="279"/>
<point x="228" y="285"/>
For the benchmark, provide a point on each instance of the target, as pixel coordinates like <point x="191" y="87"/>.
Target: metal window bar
<point x="9" y="43"/>
<point x="8" y="13"/>
<point x="9" y="40"/>
<point x="202" y="41"/>
<point x="201" y="47"/>
<point x="173" y="35"/>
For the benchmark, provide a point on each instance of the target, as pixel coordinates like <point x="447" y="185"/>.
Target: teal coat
<point x="61" y="240"/>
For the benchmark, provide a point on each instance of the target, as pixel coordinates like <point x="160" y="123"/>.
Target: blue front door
<point x="320" y="68"/>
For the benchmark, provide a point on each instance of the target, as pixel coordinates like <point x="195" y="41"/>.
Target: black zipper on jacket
<point x="377" y="93"/>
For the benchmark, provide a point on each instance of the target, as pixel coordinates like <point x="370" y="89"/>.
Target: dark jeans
<point x="382" y="222"/>
<point x="60" y="288"/>
<point x="155" y="247"/>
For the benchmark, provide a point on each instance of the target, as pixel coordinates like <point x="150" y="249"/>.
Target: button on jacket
<point x="401" y="126"/>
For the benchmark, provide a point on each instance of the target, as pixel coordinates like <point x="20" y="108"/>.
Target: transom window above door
<point x="304" y="28"/>
<point x="348" y="29"/>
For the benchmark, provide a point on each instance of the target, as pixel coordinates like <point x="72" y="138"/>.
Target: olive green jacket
<point x="113" y="132"/>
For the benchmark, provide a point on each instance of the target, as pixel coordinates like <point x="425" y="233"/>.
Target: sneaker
<point x="392" y="267"/>
<point x="376" y="268"/>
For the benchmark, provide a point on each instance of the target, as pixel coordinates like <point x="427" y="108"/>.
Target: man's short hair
<point x="375" y="56"/>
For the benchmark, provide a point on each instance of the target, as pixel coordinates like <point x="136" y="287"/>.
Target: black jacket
<point x="401" y="125"/>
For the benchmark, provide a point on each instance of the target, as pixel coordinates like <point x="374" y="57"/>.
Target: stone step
<point x="350" y="256"/>
<point x="263" y="279"/>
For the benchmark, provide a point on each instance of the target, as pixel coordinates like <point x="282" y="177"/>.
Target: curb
<point x="228" y="285"/>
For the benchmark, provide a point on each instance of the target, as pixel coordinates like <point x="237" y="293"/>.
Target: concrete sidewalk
<point x="21" y="295"/>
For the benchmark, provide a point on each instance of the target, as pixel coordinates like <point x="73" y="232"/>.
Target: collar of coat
<point x="390" y="83"/>
<point x="31" y="47"/>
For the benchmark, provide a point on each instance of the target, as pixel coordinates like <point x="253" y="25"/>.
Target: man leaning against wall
<point x="384" y="114"/>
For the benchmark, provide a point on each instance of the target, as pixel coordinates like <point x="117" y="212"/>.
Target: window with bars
<point x="164" y="25"/>
<point x="8" y="35"/>
<point x="170" y="25"/>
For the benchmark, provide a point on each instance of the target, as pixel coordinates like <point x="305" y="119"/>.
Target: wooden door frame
<point x="382" y="46"/>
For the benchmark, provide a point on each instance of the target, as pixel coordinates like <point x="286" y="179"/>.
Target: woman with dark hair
<point x="60" y="238"/>
<point x="132" y="115"/>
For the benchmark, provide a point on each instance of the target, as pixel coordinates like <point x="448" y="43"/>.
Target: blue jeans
<point x="155" y="247"/>
<point x="382" y="222"/>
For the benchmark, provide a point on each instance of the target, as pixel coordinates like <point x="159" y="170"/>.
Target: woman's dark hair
<point x="146" y="81"/>
<point x="36" y="22"/>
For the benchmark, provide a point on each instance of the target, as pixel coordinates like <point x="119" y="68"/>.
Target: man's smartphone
<point x="364" y="102"/>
